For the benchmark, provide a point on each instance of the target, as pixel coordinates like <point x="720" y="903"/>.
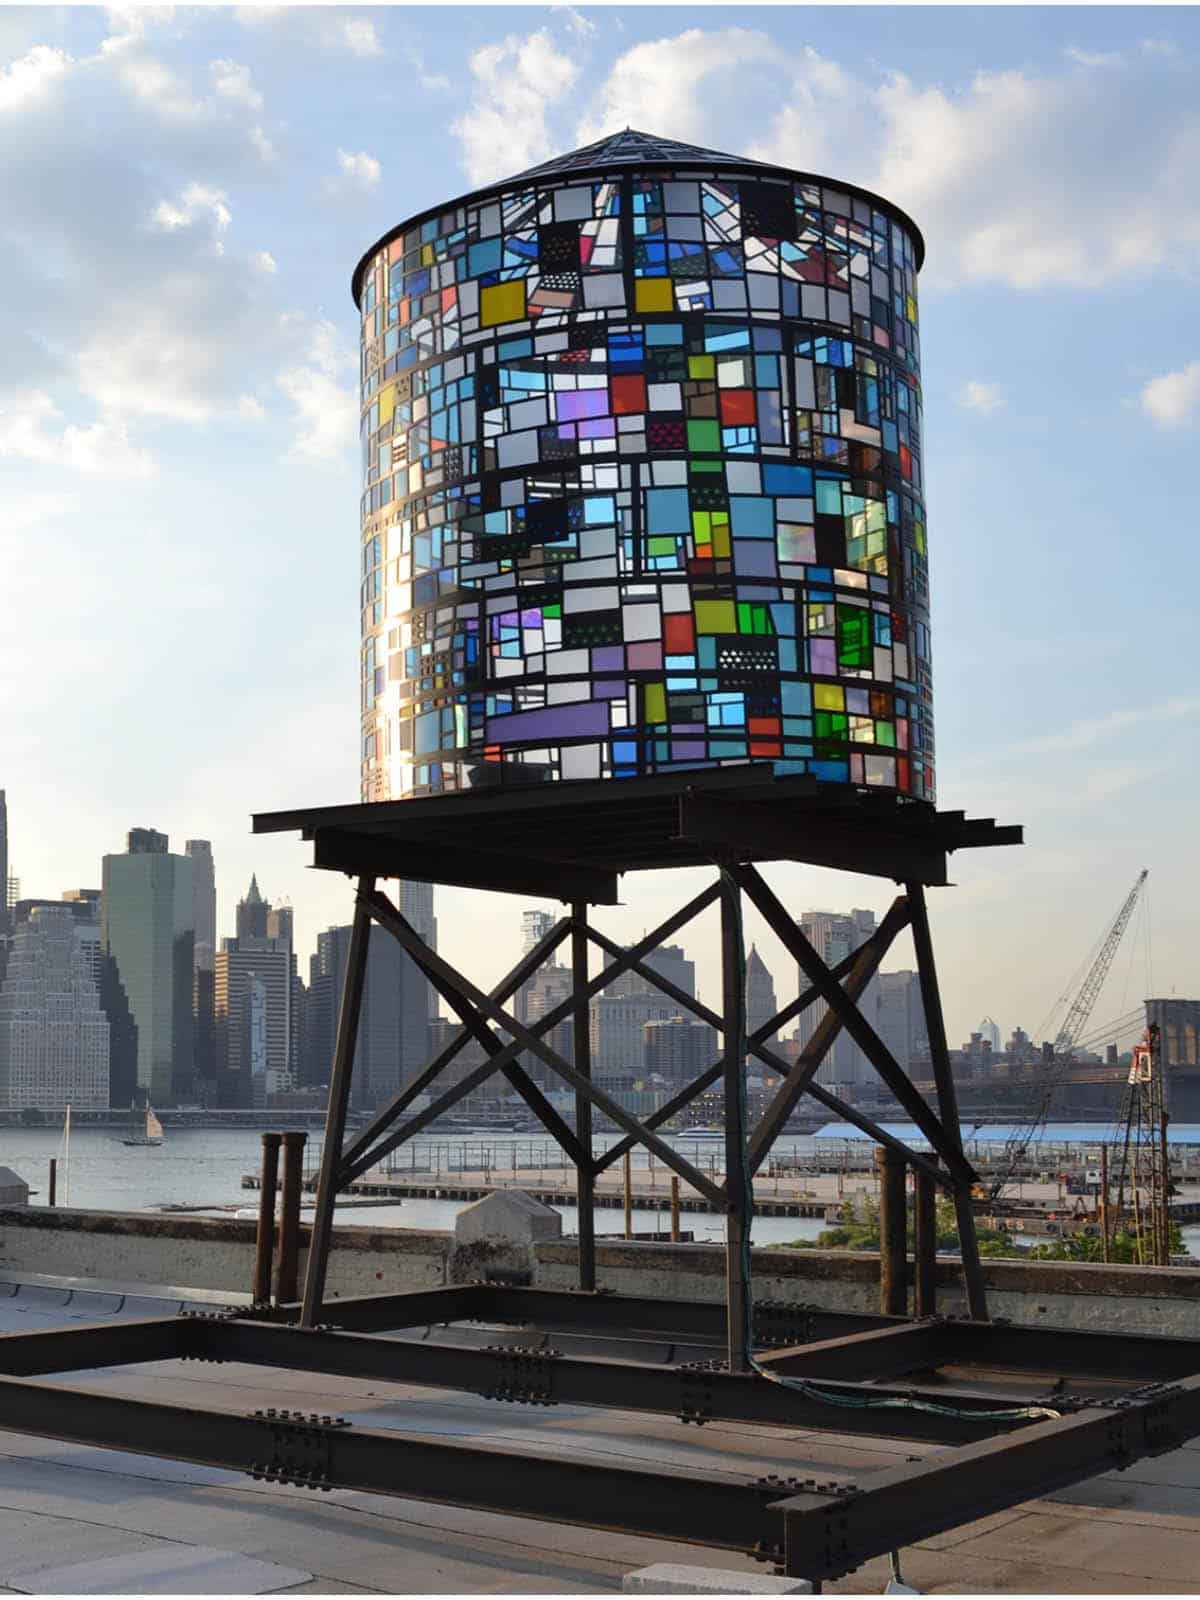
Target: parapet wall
<point x="217" y="1253"/>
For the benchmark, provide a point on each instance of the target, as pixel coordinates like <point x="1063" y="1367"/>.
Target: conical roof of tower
<point x="253" y="897"/>
<point x="632" y="148"/>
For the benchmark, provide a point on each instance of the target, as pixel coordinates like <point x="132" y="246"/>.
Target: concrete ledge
<point x="665" y="1577"/>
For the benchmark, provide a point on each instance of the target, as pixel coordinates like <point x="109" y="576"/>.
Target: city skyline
<point x="199" y="210"/>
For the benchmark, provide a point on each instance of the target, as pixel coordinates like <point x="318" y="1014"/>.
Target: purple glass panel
<point x="550" y="722"/>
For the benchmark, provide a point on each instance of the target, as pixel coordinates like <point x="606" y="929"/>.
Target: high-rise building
<point x="618" y="1025"/>
<point x="760" y="994"/>
<point x="679" y="1049"/>
<point x="204" y="918"/>
<point x="535" y="925"/>
<point x="252" y="994"/>
<point x="550" y="985"/>
<point x="834" y="935"/>
<point x="378" y="1052"/>
<point x="54" y="1036"/>
<point x="670" y="961"/>
<point x="4" y="918"/>
<point x="147" y="929"/>
<point x="252" y="913"/>
<point x="900" y="1017"/>
<point x="418" y="998"/>
<point x="281" y="926"/>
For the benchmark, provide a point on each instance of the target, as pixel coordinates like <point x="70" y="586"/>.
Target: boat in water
<point x="145" y="1130"/>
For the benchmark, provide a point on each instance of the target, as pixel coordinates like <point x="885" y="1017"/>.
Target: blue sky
<point x="186" y="193"/>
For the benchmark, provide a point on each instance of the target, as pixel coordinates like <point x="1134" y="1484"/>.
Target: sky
<point x="186" y="191"/>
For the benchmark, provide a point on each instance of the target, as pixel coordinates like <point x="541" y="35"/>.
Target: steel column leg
<point x="339" y="1101"/>
<point x="739" y="1207"/>
<point x="935" y="1029"/>
<point x="925" y="1297"/>
<point x="265" y="1242"/>
<point x="585" y="1172"/>
<point x="893" y="1251"/>
<point x="287" y="1273"/>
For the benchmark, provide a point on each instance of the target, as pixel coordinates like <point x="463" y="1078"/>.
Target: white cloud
<point x="360" y="36"/>
<point x="31" y="79"/>
<point x="579" y="25"/>
<point x="233" y="81"/>
<point x="263" y="147"/>
<point x="982" y="397"/>
<point x="264" y="261"/>
<point x="250" y="409"/>
<point x="195" y="202"/>
<point x="657" y="85"/>
<point x="1158" y="47"/>
<point x="427" y="79"/>
<point x="504" y="128"/>
<point x="1094" y="58"/>
<point x="320" y="384"/>
<point x="1173" y="399"/>
<point x="1082" y="735"/>
<point x="358" y="173"/>
<point x="31" y="429"/>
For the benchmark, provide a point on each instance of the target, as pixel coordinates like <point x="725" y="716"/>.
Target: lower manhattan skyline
<point x="218" y="327"/>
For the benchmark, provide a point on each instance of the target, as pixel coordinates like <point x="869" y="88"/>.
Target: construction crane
<point x="1143" y="1205"/>
<point x="1068" y="1036"/>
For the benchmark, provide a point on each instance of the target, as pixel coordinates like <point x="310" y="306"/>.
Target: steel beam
<point x="865" y="963"/>
<point x="339" y="1101"/>
<point x="97" y="1344"/>
<point x="739" y="1190"/>
<point x="593" y="1381"/>
<point x="943" y="1075"/>
<point x="724" y="1510"/>
<point x="361" y="1144"/>
<point x="877" y="1353"/>
<point x="581" y="1057"/>
<point x="388" y="857"/>
<point x="826" y="1538"/>
<point x="387" y="915"/>
<point x="856" y="1025"/>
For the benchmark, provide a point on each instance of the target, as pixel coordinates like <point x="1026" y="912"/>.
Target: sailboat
<point x="141" y="1133"/>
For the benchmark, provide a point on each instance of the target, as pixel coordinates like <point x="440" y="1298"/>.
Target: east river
<point x="201" y="1169"/>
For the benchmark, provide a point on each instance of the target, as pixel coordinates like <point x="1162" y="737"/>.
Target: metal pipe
<point x="674" y="1209"/>
<point x="288" y="1267"/>
<point x="585" y="1171"/>
<point x="53" y="1181"/>
<point x="925" y="1297"/>
<point x="339" y="1101"/>
<point x="628" y="1196"/>
<point x="1104" y="1223"/>
<point x="893" y="1255"/>
<point x="265" y="1241"/>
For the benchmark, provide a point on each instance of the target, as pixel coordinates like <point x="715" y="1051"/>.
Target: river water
<point x="202" y="1169"/>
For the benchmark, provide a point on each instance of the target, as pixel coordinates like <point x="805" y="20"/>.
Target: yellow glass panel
<point x="502" y="302"/>
<point x="828" y="697"/>
<point x="702" y="525"/>
<point x="715" y="616"/>
<point x="426" y="255"/>
<point x="387" y="404"/>
<point x="701" y="366"/>
<point x="720" y="538"/>
<point x="655" y="702"/>
<point x="654" y="294"/>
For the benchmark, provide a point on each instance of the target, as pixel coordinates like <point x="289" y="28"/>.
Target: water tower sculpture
<point x="644" y="585"/>
<point x="641" y="440"/>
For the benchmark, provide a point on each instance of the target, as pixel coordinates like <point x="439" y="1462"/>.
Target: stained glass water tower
<point x="641" y="436"/>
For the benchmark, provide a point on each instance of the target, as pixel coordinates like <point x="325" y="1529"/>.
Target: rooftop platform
<point x="570" y="841"/>
<point x="67" y="1506"/>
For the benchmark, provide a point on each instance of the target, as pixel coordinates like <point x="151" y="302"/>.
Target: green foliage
<point x="857" y="1228"/>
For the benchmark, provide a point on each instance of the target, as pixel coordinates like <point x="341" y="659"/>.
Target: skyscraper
<point x="4" y="918"/>
<point x="253" y="990"/>
<point x="147" y="929"/>
<point x="834" y="935"/>
<point x="418" y="998"/>
<point x="679" y="1049"/>
<point x="535" y="925"/>
<point x="204" y="919"/>
<point x="252" y="913"/>
<point x="54" y="1036"/>
<point x="900" y="1017"/>
<point x="378" y="1050"/>
<point x="760" y="993"/>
